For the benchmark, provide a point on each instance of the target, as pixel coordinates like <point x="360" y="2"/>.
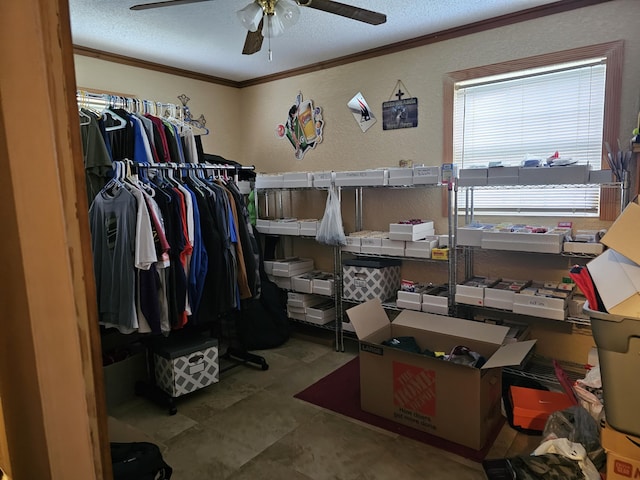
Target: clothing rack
<point x="89" y="99"/>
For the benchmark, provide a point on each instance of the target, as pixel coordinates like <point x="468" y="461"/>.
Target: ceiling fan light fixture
<point x="250" y="16"/>
<point x="285" y="14"/>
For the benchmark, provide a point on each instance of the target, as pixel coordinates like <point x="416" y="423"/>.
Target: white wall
<point x="422" y="70"/>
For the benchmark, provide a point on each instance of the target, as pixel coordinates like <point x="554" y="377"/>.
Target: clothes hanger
<point x="84" y="118"/>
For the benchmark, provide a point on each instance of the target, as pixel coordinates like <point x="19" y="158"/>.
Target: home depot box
<point x="367" y="278"/>
<point x="453" y="401"/>
<point x="623" y="454"/>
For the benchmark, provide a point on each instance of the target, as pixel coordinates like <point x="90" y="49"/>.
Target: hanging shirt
<point x="97" y="161"/>
<point x="112" y="218"/>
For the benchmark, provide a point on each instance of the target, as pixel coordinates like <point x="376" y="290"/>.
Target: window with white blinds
<point x="532" y="114"/>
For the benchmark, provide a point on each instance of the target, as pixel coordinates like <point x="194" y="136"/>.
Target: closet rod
<point x="86" y="98"/>
<point x="210" y="166"/>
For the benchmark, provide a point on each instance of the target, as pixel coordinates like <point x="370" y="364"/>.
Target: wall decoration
<point x="400" y="113"/>
<point x="199" y="122"/>
<point x="361" y="112"/>
<point x="303" y="127"/>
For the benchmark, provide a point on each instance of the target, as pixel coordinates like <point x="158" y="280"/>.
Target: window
<point x="533" y="108"/>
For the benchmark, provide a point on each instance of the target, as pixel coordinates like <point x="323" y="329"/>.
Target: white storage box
<point x="303" y="283"/>
<point x="284" y="226"/>
<point x="532" y="301"/>
<point x="323" y="179"/>
<point x="583" y="248"/>
<point x="362" y="178"/>
<point x="352" y="244"/>
<point x="469" y="177"/>
<point x="297" y="313"/>
<point x="426" y="175"/>
<point x="282" y="282"/>
<point x="368" y="278"/>
<point x="421" y="248"/>
<point x="501" y="295"/>
<point x="297" y="180"/>
<point x="410" y="231"/>
<point x="436" y="300"/>
<point x="471" y="292"/>
<point x="503" y="176"/>
<point x="186" y="365"/>
<point x="302" y="300"/>
<point x="263" y="225"/>
<point x="569" y="174"/>
<point x="292" y="266"/>
<point x="322" y="313"/>
<point x="400" y="176"/>
<point x="471" y="235"/>
<point x="371" y="245"/>
<point x="269" y="181"/>
<point x="392" y="247"/>
<point x="549" y="242"/>
<point x="308" y="227"/>
<point x="323" y="284"/>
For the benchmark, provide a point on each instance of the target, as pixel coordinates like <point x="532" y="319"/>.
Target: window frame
<point x="611" y="51"/>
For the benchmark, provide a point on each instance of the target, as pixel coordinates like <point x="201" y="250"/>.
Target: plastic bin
<point x="618" y="342"/>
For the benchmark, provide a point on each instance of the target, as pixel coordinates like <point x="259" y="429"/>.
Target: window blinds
<point x="532" y="114"/>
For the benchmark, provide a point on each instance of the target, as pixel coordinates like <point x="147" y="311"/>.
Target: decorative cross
<point x="399" y="94"/>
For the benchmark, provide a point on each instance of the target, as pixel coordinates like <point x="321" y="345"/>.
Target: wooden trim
<point x="448" y="34"/>
<point x="613" y="51"/>
<point x="48" y="392"/>
<point x="157" y="67"/>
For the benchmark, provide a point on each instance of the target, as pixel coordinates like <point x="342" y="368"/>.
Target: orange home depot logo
<point x="414" y="388"/>
<point x="625" y="469"/>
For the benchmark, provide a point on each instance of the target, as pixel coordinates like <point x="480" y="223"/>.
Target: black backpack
<point x="138" y="461"/>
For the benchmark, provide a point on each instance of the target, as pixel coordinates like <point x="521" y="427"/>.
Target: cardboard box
<point x="186" y="365"/>
<point x="371" y="245"/>
<point x="456" y="402"/>
<point x="471" y="235"/>
<point x="302" y="300"/>
<point x="440" y="253"/>
<point x="532" y="407"/>
<point x="322" y="313"/>
<point x="617" y="279"/>
<point x="600" y="176"/>
<point x="410" y="231"/>
<point x="263" y="225"/>
<point x="426" y="175"/>
<point x="623" y="454"/>
<point x="623" y="235"/>
<point x="471" y="292"/>
<point x="367" y="278"/>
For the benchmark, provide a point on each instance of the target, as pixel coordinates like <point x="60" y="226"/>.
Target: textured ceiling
<point x="208" y="38"/>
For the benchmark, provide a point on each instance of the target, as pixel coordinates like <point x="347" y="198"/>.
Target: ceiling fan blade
<point x="168" y="3"/>
<point x="349" y="11"/>
<point x="253" y="41"/>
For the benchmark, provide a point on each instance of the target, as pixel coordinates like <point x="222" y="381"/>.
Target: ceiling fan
<point x="279" y="14"/>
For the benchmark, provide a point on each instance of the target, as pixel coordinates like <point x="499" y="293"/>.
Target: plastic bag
<point x="578" y="426"/>
<point x="330" y="230"/>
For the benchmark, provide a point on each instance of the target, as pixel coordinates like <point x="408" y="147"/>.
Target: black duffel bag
<point x="138" y="461"/>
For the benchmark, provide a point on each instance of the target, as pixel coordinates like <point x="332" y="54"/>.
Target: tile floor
<point x="249" y="426"/>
